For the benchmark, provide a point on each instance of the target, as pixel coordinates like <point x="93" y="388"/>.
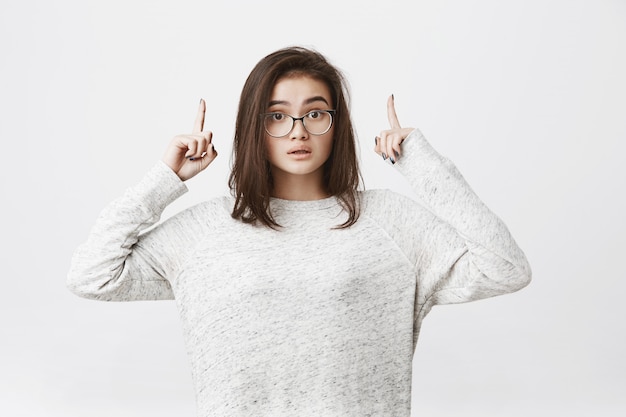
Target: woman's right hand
<point x="188" y="155"/>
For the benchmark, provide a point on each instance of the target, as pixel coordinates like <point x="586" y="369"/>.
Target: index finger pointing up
<point x="391" y="113"/>
<point x="198" y="125"/>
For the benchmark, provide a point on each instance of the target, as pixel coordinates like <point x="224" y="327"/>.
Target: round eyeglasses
<point x="316" y="122"/>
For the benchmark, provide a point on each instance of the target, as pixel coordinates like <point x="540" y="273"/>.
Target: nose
<point x="298" y="131"/>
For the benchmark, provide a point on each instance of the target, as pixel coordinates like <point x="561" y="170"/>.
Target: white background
<point x="528" y="98"/>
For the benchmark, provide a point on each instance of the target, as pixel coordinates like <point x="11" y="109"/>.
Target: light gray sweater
<point x="308" y="320"/>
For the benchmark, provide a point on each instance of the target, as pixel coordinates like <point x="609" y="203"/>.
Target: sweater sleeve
<point x="121" y="260"/>
<point x="464" y="252"/>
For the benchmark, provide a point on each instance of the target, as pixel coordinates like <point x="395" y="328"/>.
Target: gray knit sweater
<point x="307" y="320"/>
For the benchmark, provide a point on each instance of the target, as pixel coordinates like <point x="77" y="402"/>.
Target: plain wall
<point x="526" y="97"/>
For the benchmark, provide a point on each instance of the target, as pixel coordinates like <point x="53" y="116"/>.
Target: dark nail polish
<point x="376" y="140"/>
<point x="192" y="159"/>
<point x="392" y="97"/>
<point x="397" y="154"/>
<point x="384" y="156"/>
<point x="392" y="160"/>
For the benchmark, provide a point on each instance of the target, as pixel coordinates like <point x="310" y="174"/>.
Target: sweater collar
<point x="309" y="205"/>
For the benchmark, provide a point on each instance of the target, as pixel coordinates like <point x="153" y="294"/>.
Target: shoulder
<point x="377" y="199"/>
<point x="214" y="206"/>
<point x="390" y="207"/>
<point x="206" y="214"/>
<point x="404" y="220"/>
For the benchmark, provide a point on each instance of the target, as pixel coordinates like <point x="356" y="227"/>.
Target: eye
<point x="277" y="117"/>
<point x="315" y="114"/>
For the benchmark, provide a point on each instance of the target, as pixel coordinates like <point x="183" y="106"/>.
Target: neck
<point x="299" y="187"/>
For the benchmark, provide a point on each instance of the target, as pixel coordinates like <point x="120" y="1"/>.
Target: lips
<point x="300" y="150"/>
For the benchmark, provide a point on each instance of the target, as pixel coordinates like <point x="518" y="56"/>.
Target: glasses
<point x="316" y="122"/>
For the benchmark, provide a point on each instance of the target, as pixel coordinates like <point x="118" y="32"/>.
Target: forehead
<point x="297" y="89"/>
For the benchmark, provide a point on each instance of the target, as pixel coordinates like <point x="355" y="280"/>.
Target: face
<point x="299" y="153"/>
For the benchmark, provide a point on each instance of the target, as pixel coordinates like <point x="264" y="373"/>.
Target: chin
<point x="301" y="170"/>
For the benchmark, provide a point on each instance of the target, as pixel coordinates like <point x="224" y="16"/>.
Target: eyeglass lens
<point x="316" y="123"/>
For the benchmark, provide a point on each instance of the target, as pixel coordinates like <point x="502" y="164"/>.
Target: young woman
<point x="299" y="294"/>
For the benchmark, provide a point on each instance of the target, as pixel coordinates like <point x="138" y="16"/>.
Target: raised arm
<point x="120" y="260"/>
<point x="465" y="252"/>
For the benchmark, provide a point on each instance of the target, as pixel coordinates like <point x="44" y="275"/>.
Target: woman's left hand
<point x="388" y="142"/>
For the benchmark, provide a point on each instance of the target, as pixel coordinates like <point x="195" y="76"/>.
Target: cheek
<point x="330" y="143"/>
<point x="329" y="148"/>
<point x="270" y="148"/>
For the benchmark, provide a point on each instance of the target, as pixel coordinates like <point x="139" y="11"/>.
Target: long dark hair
<point x="250" y="180"/>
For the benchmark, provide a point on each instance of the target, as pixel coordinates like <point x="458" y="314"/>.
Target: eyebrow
<point x="307" y="101"/>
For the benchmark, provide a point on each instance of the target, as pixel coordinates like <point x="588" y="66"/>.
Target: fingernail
<point x="392" y="97"/>
<point x="376" y="140"/>
<point x="191" y="159"/>
<point x="397" y="154"/>
<point x="392" y="160"/>
<point x="384" y="156"/>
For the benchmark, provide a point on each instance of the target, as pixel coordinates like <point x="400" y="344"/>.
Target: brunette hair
<point x="250" y="180"/>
